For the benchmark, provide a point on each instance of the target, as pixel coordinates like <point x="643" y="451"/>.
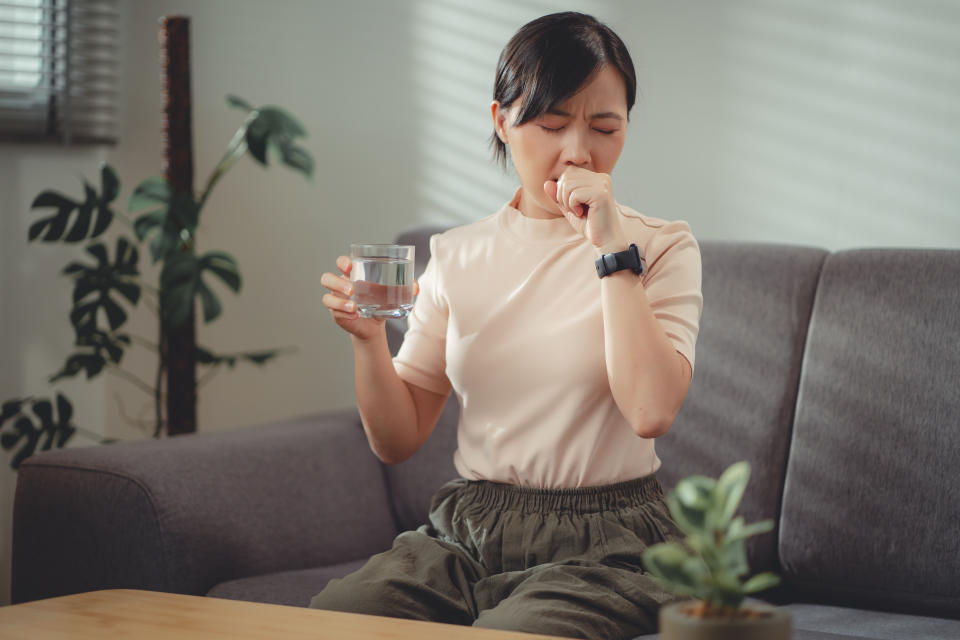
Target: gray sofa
<point x="837" y="375"/>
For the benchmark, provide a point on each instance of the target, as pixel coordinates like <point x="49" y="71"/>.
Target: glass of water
<point x="382" y="277"/>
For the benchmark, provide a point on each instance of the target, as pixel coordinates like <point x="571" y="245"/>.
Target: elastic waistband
<point x="630" y="493"/>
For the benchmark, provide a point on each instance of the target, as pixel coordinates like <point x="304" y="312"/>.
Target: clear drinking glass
<point x="382" y="277"/>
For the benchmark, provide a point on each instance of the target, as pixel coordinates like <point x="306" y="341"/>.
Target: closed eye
<point x="552" y="130"/>
<point x="605" y="132"/>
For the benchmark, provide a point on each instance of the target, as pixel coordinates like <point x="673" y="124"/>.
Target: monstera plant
<point x="710" y="565"/>
<point x="108" y="287"/>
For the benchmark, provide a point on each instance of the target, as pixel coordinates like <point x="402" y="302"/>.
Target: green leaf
<point x="92" y="219"/>
<point x="238" y="103"/>
<point x="735" y="558"/>
<point x="96" y="286"/>
<point x="690" y="503"/>
<point x="274" y="127"/>
<point x="83" y="317"/>
<point x="54" y="225"/>
<point x="21" y="428"/>
<point x="261" y="357"/>
<point x="180" y="268"/>
<point x="81" y="224"/>
<point x="760" y="582"/>
<point x="109" y="184"/>
<point x="696" y="492"/>
<point x="224" y="266"/>
<point x="164" y="244"/>
<point x="729" y="491"/>
<point x="178" y="284"/>
<point x="149" y="193"/>
<point x="146" y="223"/>
<point x="211" y="305"/>
<point x="183" y="213"/>
<point x="91" y="363"/>
<point x="674" y="567"/>
<point x="740" y="531"/>
<point x="689" y="520"/>
<point x="297" y="158"/>
<point x="207" y="357"/>
<point x="49" y="426"/>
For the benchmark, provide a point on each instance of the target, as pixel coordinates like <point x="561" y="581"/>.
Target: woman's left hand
<point x="586" y="200"/>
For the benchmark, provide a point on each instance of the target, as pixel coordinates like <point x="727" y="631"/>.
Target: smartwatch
<point x="612" y="262"/>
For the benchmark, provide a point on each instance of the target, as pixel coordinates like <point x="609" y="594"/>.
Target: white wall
<point x="813" y="122"/>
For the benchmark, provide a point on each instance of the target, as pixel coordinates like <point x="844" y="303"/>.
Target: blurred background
<point x="815" y="122"/>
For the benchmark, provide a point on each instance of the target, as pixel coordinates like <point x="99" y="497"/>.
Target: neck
<point x="529" y="207"/>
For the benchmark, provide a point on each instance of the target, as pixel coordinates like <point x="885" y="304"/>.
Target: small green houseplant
<point x="711" y="565"/>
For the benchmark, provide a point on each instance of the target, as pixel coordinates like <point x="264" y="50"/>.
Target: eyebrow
<point x="594" y="116"/>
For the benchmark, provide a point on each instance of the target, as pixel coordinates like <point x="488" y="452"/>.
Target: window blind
<point x="59" y="70"/>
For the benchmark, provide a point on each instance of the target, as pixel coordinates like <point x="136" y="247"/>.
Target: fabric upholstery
<point x="881" y="625"/>
<point x="871" y="505"/>
<point x="185" y="513"/>
<point x="292" y="588"/>
<point x="756" y="306"/>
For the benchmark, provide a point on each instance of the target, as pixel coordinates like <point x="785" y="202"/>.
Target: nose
<point x="576" y="150"/>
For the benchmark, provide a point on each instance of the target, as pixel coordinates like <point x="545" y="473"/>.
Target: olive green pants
<point x="560" y="562"/>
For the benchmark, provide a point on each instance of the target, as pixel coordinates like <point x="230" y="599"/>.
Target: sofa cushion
<point x="878" y="625"/>
<point x="293" y="588"/>
<point x="871" y="506"/>
<point x="756" y="305"/>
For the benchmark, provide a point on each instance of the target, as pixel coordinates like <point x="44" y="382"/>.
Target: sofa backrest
<point x="871" y="504"/>
<point x="756" y="307"/>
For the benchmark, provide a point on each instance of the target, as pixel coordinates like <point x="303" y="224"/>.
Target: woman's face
<point x="587" y="130"/>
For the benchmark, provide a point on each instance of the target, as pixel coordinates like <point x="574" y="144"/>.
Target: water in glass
<point x="382" y="278"/>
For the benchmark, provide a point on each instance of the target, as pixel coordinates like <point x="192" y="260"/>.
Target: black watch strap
<point x="612" y="262"/>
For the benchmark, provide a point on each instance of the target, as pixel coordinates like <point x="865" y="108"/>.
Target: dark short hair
<point x="550" y="59"/>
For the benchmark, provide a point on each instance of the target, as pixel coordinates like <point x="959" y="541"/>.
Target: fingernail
<point x="349" y="306"/>
<point x="348" y="290"/>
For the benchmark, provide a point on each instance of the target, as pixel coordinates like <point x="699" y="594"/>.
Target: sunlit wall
<point x="835" y="124"/>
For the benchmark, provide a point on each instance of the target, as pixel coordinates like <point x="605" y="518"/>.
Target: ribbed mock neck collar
<point x="536" y="230"/>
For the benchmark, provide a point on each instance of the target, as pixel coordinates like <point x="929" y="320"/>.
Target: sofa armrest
<point x="188" y="512"/>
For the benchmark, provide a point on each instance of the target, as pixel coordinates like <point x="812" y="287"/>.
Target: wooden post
<point x="179" y="344"/>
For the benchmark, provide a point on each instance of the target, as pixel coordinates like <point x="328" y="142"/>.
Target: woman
<point x="566" y="369"/>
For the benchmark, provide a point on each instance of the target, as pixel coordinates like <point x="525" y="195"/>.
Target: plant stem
<point x="236" y="148"/>
<point x="137" y="422"/>
<point x="132" y="379"/>
<point x="144" y="342"/>
<point x="145" y="285"/>
<point x="93" y="435"/>
<point x="124" y="218"/>
<point x="208" y="376"/>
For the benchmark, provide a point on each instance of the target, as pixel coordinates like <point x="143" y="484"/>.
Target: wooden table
<point x="126" y="613"/>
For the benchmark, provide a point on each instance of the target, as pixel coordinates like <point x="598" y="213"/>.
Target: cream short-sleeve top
<point x="509" y="316"/>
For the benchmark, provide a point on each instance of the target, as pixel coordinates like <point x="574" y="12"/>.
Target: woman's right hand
<point x="342" y="309"/>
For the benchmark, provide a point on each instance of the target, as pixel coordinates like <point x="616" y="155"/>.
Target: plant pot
<point x="765" y="622"/>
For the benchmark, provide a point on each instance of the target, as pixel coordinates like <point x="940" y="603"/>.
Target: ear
<point x="499" y="115"/>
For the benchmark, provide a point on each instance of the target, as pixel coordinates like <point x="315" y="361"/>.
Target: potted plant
<point x="105" y="291"/>
<point x="711" y="565"/>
